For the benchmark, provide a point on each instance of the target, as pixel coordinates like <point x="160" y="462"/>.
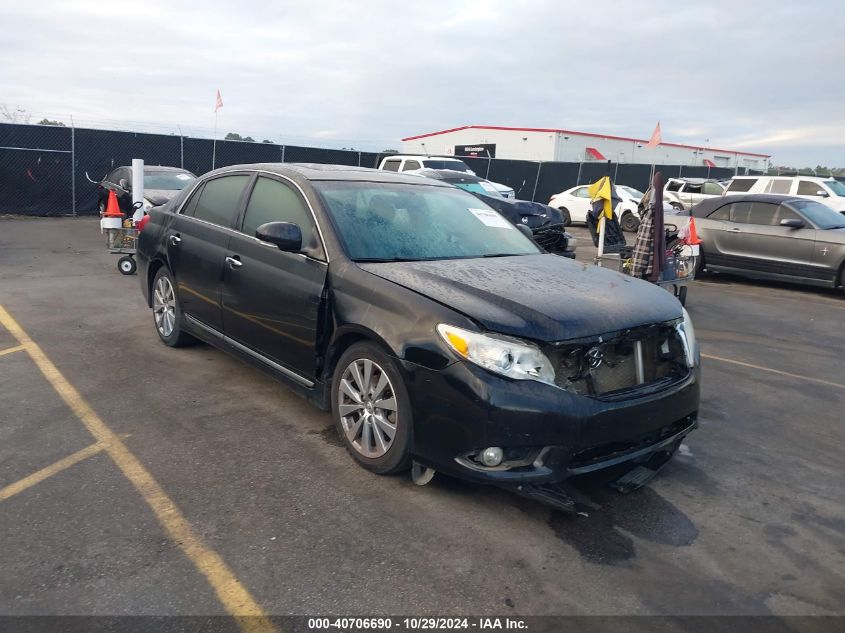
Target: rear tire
<point x="372" y="410"/>
<point x="167" y="312"/>
<point x="677" y="206"/>
<point x="567" y="219"/>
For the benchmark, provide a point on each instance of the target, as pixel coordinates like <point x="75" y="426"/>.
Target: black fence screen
<point x="47" y="170"/>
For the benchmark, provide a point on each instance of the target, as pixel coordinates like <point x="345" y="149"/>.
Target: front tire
<point x="371" y="409"/>
<point x="629" y="222"/>
<point x="167" y="312"/>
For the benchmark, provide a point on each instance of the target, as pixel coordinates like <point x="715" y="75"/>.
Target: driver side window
<point x="273" y="201"/>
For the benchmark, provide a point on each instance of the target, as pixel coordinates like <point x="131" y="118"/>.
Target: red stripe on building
<point x="592" y="151"/>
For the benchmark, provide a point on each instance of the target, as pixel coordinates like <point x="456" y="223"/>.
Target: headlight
<point x="687" y="334"/>
<point x="515" y="359"/>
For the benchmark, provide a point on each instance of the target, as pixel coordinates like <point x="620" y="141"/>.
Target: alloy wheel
<point x="367" y="408"/>
<point x="164" y="306"/>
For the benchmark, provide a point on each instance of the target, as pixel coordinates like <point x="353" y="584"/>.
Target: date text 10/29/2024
<point x="353" y="625"/>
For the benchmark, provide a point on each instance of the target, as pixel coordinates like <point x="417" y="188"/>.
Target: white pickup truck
<point x="401" y="162"/>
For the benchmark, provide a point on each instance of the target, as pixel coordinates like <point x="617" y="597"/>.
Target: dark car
<point x="774" y="237"/>
<point x="547" y="224"/>
<point x="160" y="185"/>
<point x="433" y="329"/>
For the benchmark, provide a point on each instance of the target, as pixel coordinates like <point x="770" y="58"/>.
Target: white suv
<point x="397" y="162"/>
<point x="826" y="190"/>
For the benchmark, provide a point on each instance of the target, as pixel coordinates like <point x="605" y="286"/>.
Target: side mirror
<point x="124" y="184"/>
<point x="822" y="193"/>
<point x="286" y="235"/>
<point x="793" y="224"/>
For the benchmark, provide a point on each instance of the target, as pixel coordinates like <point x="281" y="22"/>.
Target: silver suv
<point x="685" y="193"/>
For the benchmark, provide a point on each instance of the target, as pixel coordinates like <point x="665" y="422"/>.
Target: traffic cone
<point x="112" y="208"/>
<point x="692" y="238"/>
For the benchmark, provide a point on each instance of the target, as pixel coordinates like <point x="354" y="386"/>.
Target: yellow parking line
<point x="774" y="371"/>
<point x="38" y="476"/>
<point x="234" y="596"/>
<point x="10" y="350"/>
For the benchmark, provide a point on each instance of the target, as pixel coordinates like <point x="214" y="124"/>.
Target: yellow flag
<point x="600" y="190"/>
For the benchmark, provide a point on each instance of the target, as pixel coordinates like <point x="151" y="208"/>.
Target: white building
<point x="570" y="146"/>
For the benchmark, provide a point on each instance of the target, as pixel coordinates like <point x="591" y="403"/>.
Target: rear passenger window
<point x="809" y="188"/>
<point x="191" y="206"/>
<point x="391" y="165"/>
<point x="778" y="185"/>
<point x="411" y="164"/>
<point x="712" y="189"/>
<point x="273" y="201"/>
<point x="218" y="201"/>
<point x="741" y="184"/>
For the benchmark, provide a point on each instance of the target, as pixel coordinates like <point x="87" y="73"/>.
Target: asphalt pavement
<point x="748" y="519"/>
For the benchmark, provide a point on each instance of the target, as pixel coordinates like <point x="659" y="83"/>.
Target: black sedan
<point x="435" y="332"/>
<point x="160" y="185"/>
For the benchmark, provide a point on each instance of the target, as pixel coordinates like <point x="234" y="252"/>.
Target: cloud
<point x="755" y="75"/>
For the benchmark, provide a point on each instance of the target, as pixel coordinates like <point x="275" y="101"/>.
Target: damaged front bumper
<point x="547" y="434"/>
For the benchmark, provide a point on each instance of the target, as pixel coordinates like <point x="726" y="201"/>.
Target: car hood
<point x="541" y="297"/>
<point x="837" y="203"/>
<point x="159" y="196"/>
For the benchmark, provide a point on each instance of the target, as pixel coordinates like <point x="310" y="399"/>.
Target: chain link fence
<point x="47" y="170"/>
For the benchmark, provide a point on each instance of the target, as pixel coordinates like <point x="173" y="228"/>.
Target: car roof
<point x="693" y="181"/>
<point x="299" y="172"/>
<point x="706" y="207"/>
<point x="421" y="157"/>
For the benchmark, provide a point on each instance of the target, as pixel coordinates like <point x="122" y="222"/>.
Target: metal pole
<point x="214" y="144"/>
<point x="359" y="159"/>
<point x="536" y="181"/>
<point x="73" y="166"/>
<point x="580" y="164"/>
<point x="181" y="148"/>
<point x="283" y="153"/>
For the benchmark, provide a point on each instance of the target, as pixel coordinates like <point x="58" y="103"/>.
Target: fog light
<point x="491" y="456"/>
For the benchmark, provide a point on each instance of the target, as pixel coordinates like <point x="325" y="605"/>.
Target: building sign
<point x="482" y="150"/>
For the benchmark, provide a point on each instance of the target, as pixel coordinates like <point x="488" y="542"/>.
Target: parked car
<point x="684" y="193"/>
<point x="545" y="223"/>
<point x="574" y="204"/>
<point x="402" y="163"/>
<point x="433" y="329"/>
<point x="773" y="237"/>
<point x="826" y="190"/>
<point x="160" y="185"/>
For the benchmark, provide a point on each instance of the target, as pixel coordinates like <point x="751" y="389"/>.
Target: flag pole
<point x="214" y="143"/>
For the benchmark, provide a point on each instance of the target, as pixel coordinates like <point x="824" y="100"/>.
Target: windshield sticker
<point x="183" y="176"/>
<point x="491" y="218"/>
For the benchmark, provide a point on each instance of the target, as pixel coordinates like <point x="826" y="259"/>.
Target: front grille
<point x="610" y="365"/>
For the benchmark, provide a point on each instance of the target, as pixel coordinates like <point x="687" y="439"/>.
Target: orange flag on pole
<point x="656" y="138"/>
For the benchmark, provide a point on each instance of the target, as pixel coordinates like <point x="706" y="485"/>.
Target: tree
<point x="234" y="136"/>
<point x="267" y="141"/>
<point x="49" y="122"/>
<point x="390" y="151"/>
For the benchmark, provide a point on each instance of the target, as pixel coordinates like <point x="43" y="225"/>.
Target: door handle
<point x="174" y="240"/>
<point x="234" y="261"/>
<point x="734" y="230"/>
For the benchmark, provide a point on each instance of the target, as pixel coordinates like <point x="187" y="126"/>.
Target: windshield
<point x="168" y="180"/>
<point x="630" y="191"/>
<point x="819" y="214"/>
<point x="478" y="187"/>
<point x="402" y="222"/>
<point x="454" y="165"/>
<point x="836" y="187"/>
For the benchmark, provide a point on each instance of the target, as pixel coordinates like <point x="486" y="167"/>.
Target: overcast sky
<point x="761" y="76"/>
